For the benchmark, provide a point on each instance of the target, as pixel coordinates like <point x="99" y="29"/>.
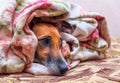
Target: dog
<point x="48" y="57"/>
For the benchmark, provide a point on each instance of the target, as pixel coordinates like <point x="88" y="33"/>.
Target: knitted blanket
<point x="86" y="30"/>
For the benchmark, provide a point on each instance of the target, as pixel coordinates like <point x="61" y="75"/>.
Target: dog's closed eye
<point x="46" y="41"/>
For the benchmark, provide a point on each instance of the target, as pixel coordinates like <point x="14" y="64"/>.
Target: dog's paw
<point x="38" y="69"/>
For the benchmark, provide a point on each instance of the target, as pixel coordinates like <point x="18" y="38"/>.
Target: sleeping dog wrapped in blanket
<point x="49" y="36"/>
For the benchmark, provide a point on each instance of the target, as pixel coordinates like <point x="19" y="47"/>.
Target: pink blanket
<point x="87" y="30"/>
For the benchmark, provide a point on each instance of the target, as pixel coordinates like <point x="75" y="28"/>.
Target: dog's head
<point x="49" y="48"/>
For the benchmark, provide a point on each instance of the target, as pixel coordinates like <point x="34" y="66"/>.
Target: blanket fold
<point x="83" y="31"/>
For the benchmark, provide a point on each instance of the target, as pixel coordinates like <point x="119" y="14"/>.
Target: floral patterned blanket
<point x="86" y="30"/>
<point x="96" y="71"/>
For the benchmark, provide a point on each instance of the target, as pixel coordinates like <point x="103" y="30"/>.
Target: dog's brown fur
<point x="49" y="48"/>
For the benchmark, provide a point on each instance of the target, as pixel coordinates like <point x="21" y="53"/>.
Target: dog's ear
<point x="66" y="27"/>
<point x="36" y="20"/>
<point x="33" y="22"/>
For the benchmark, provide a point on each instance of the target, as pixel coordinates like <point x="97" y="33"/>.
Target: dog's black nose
<point x="63" y="68"/>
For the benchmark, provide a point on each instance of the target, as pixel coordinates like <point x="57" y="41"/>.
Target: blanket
<point x="85" y="32"/>
<point x="96" y="71"/>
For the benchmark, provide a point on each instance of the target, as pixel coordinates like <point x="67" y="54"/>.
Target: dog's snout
<point x="57" y="66"/>
<point x="62" y="66"/>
